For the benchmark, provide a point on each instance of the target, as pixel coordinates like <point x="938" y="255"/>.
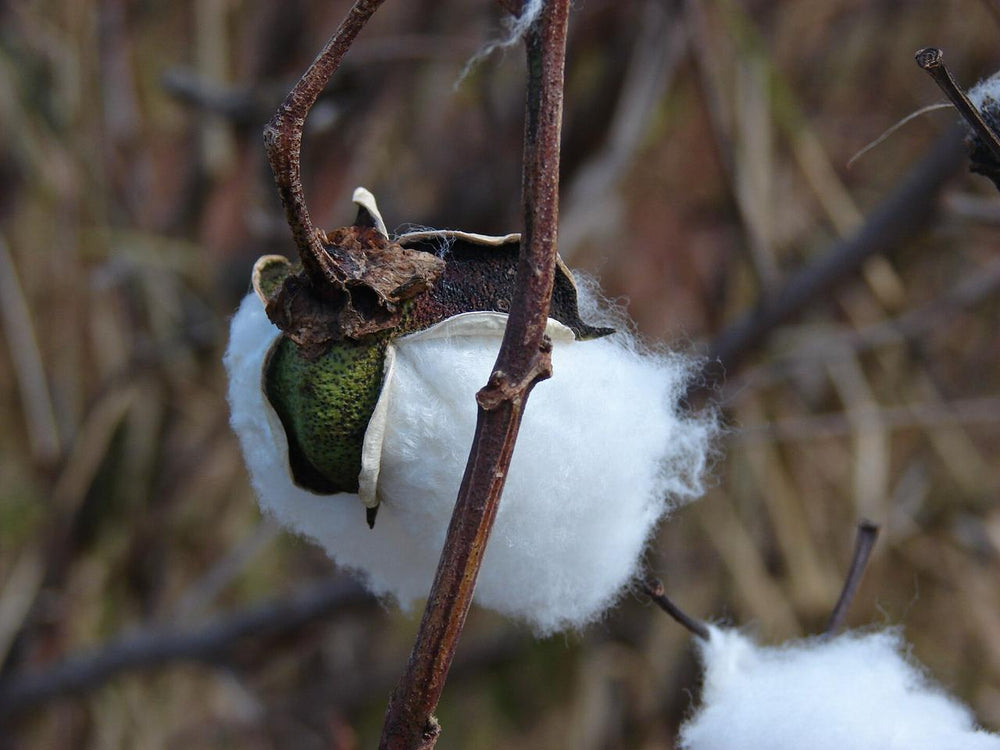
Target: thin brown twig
<point x="863" y="545"/>
<point x="283" y="142"/>
<point x="653" y="588"/>
<point x="931" y="60"/>
<point x="524" y="360"/>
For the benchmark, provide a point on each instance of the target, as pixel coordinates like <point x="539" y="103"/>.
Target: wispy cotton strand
<point x="603" y="455"/>
<point x="858" y="691"/>
<point x="517" y="27"/>
<point x="985" y="96"/>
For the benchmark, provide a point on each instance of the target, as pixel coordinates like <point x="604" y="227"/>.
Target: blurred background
<point x="144" y="601"/>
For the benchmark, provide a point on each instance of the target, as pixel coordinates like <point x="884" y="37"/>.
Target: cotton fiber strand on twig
<point x="857" y="691"/>
<point x="603" y="455"/>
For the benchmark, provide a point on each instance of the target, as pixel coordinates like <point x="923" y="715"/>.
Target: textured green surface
<point x="325" y="406"/>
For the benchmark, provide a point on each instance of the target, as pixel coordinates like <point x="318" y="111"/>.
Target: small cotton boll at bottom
<point x="601" y="457"/>
<point x="856" y="691"/>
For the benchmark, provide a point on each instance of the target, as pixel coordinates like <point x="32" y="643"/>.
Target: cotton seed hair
<point x="603" y="455"/>
<point x="859" y="690"/>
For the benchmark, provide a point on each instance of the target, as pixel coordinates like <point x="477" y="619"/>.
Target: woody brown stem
<point x="283" y="142"/>
<point x="863" y="545"/>
<point x="524" y="360"/>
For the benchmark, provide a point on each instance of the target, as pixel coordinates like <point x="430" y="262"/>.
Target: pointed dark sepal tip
<point x="365" y="219"/>
<point x="370" y="514"/>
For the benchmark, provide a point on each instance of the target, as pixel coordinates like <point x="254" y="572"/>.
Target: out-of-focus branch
<point x="524" y="359"/>
<point x="144" y="649"/>
<point x="898" y="218"/>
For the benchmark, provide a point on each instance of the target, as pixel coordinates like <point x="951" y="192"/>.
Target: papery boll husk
<point x="858" y="690"/>
<point x="602" y="456"/>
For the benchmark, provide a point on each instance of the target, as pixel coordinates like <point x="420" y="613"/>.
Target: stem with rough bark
<point x="524" y="360"/>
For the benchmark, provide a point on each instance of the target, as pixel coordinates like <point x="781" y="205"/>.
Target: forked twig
<point x="863" y="545"/>
<point x="524" y="359"/>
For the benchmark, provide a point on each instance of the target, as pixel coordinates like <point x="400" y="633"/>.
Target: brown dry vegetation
<point x="704" y="163"/>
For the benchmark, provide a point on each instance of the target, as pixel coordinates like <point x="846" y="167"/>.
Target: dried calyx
<point x="340" y="314"/>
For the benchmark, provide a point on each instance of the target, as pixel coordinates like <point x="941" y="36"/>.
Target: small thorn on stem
<point x="863" y="544"/>
<point x="653" y="588"/>
<point x="931" y="60"/>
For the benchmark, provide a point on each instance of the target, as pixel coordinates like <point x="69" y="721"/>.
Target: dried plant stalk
<point x="524" y="360"/>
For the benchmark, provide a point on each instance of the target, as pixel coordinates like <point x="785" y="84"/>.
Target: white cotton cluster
<point x="857" y="691"/>
<point x="986" y="93"/>
<point x="603" y="455"/>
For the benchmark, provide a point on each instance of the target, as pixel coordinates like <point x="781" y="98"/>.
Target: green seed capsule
<point x="325" y="406"/>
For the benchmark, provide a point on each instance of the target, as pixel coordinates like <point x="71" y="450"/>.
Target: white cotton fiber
<point x="857" y="691"/>
<point x="516" y="28"/>
<point x="986" y="94"/>
<point x="602" y="456"/>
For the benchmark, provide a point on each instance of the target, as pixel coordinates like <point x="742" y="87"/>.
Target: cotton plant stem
<point x="653" y="588"/>
<point x="283" y="142"/>
<point x="863" y="545"/>
<point x="524" y="360"/>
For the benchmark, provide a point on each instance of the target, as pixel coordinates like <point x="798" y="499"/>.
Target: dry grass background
<point x="705" y="161"/>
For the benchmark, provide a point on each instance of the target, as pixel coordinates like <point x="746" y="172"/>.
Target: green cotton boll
<point x="325" y="406"/>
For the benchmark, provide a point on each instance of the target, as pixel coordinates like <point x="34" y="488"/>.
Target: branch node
<point x="502" y="388"/>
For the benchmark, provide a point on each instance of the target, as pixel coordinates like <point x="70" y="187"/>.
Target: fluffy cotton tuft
<point x="857" y="691"/>
<point x="602" y="456"/>
<point x="986" y="93"/>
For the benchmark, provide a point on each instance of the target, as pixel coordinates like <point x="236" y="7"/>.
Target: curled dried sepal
<point x="381" y="276"/>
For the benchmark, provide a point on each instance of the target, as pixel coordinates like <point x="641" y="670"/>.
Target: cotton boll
<point x="601" y="457"/>
<point x="857" y="691"/>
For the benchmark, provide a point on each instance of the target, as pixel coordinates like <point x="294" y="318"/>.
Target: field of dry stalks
<point x="143" y="600"/>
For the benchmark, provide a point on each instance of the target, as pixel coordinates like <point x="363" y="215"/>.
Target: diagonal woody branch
<point x="524" y="359"/>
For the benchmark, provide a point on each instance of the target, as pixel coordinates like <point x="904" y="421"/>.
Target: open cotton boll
<point x="857" y="691"/>
<point x="602" y="456"/>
